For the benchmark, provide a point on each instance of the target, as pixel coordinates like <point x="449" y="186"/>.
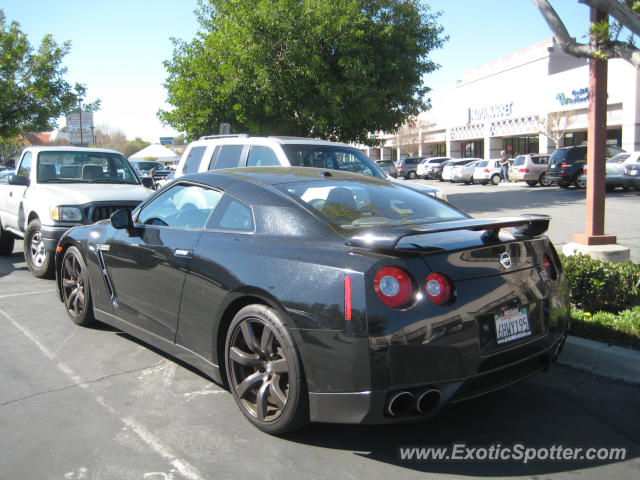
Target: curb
<point x="597" y="358"/>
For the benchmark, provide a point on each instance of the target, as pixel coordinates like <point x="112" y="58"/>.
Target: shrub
<point x="597" y="286"/>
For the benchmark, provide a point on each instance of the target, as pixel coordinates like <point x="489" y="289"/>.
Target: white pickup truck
<point x="56" y="188"/>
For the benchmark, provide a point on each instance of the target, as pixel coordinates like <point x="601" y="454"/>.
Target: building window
<point x="439" y="150"/>
<point x="515" y="146"/>
<point x="474" y="149"/>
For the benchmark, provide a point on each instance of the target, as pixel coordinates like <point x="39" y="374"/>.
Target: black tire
<point x="75" y="288"/>
<point x="532" y="183"/>
<point x="6" y="242"/>
<point x="495" y="179"/>
<point x="544" y="181"/>
<point x="39" y="260"/>
<point x="264" y="371"/>
<point x="412" y="175"/>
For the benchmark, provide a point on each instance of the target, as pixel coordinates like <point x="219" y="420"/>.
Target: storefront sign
<point x="577" y="96"/>
<point x="490" y="112"/>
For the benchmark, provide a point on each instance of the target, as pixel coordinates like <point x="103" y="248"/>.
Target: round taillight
<point x="438" y="288"/>
<point x="393" y="287"/>
<point x="549" y="267"/>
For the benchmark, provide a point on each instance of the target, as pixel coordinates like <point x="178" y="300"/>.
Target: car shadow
<point x="8" y="263"/>
<point x="532" y="414"/>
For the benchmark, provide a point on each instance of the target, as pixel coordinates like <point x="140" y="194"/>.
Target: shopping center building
<point x="504" y="105"/>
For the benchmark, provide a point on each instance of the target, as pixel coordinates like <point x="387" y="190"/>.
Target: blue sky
<point x="117" y="47"/>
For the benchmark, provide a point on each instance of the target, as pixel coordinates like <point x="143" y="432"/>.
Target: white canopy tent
<point x="157" y="152"/>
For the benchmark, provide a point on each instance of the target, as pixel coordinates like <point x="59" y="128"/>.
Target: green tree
<point x="133" y="146"/>
<point x="33" y="92"/>
<point x="335" y="70"/>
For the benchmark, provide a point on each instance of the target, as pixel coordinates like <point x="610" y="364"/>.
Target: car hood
<point x="81" y="193"/>
<point x="419" y="187"/>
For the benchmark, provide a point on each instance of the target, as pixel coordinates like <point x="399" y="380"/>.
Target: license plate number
<point x="512" y="324"/>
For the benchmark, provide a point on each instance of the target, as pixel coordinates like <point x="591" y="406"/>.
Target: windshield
<point x="620" y="158"/>
<point x="331" y="157"/>
<point x="84" y="167"/>
<point x="146" y="166"/>
<point x="352" y="205"/>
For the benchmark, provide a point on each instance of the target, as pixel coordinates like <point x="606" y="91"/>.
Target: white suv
<point x="216" y="152"/>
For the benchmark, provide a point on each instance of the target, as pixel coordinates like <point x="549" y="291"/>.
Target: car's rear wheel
<point x="75" y="288"/>
<point x="580" y="182"/>
<point x="39" y="259"/>
<point x="495" y="179"/>
<point x="544" y="181"/>
<point x="264" y="371"/>
<point x="532" y="183"/>
<point x="6" y="242"/>
<point x="412" y="175"/>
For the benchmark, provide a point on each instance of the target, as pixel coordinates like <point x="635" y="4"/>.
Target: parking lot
<point x="80" y="403"/>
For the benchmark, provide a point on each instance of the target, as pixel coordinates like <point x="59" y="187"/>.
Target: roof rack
<point x="232" y="135"/>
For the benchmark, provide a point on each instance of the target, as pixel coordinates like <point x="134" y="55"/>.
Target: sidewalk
<point x="600" y="359"/>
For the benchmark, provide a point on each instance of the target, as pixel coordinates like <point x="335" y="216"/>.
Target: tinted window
<point x="568" y="155"/>
<point x="25" y="165"/>
<point x="351" y="205"/>
<point x="620" y="158"/>
<point x="331" y="157"/>
<point x="214" y="159"/>
<point x="184" y="206"/>
<point x="192" y="163"/>
<point x="233" y="215"/>
<point x="229" y="156"/>
<point x="262" y="157"/>
<point x="520" y="161"/>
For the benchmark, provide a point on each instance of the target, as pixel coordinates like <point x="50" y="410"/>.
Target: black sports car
<point x="323" y="295"/>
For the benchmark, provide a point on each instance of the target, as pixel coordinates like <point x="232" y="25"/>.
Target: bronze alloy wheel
<point x="264" y="371"/>
<point x="259" y="370"/>
<point x="75" y="288"/>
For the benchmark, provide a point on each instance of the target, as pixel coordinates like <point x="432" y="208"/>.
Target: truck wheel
<point x="6" y="242"/>
<point x="39" y="260"/>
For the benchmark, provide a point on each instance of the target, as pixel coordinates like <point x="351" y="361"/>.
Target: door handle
<point x="182" y="253"/>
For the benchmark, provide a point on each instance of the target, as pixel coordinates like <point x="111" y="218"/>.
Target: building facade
<point x="507" y="104"/>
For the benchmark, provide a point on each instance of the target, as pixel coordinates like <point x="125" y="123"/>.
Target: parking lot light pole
<point x="596" y="142"/>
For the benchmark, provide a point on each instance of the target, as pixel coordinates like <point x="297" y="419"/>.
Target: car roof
<point x="280" y="140"/>
<point x="279" y="175"/>
<point x="70" y="149"/>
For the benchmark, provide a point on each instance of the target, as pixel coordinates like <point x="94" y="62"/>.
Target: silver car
<point x="531" y="169"/>
<point x="615" y="170"/>
<point x="464" y="173"/>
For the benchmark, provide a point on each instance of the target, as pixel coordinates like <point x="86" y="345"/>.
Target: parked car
<point x="566" y="164"/>
<point x="530" y="168"/>
<point x="631" y="177"/>
<point x="447" y="170"/>
<point x="55" y="189"/>
<point x="147" y="168"/>
<point x="388" y="167"/>
<point x="614" y="170"/>
<point x="434" y="172"/>
<point x="426" y="165"/>
<point x="487" y="171"/>
<point x="408" y="167"/>
<point x="464" y="173"/>
<point x="240" y="150"/>
<point x="330" y="298"/>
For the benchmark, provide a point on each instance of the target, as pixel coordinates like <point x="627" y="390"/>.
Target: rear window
<point x="568" y="155"/>
<point x="353" y="206"/>
<point x="518" y="161"/>
<point x="620" y="158"/>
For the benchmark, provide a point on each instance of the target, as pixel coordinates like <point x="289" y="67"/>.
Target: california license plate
<point x="512" y="324"/>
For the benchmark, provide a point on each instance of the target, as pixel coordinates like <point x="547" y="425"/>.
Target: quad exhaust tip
<point x="428" y="401"/>
<point x="400" y="404"/>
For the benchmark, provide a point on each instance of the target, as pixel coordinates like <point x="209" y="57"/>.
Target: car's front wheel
<point x="76" y="291"/>
<point x="264" y="371"/>
<point x="39" y="259"/>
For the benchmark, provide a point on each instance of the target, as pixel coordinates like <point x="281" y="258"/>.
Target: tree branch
<point x="618" y="10"/>
<point x="572" y="47"/>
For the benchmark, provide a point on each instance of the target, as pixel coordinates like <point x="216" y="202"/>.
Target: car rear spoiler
<point x="387" y="238"/>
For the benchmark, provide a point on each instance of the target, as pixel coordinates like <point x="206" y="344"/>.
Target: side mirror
<point x="121" y="219"/>
<point x="148" y="182"/>
<point x="18" y="180"/>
